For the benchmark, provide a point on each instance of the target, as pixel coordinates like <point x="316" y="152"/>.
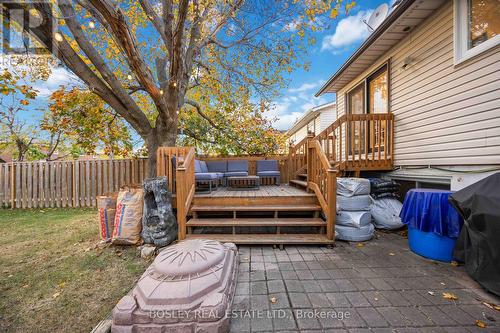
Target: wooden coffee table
<point x="243" y="183"/>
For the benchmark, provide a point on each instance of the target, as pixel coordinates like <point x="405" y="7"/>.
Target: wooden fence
<point x="66" y="183"/>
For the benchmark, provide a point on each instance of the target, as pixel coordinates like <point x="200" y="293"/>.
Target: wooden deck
<point x="263" y="191"/>
<point x="304" y="213"/>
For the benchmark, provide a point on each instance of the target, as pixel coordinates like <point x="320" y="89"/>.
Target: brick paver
<point x="379" y="287"/>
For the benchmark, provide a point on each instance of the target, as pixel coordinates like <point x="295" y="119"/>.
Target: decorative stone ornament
<point x="159" y="225"/>
<point x="188" y="288"/>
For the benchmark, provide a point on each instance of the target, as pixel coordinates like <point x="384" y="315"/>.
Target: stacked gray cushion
<point x="360" y="234"/>
<point x="353" y="221"/>
<point x="349" y="187"/>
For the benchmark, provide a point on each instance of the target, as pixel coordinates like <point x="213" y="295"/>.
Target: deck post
<point x="290" y="157"/>
<point x="181" y="196"/>
<point x="309" y="158"/>
<point x="332" y="203"/>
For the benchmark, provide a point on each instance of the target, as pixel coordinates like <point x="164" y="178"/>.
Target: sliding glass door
<point x="378" y="102"/>
<point x="372" y="97"/>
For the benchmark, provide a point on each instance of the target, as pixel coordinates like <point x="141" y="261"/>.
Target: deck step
<point x="302" y="175"/>
<point x="265" y="238"/>
<point x="301" y="183"/>
<point x="256" y="222"/>
<point x="257" y="208"/>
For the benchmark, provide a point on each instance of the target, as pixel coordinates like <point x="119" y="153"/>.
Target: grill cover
<point x="189" y="287"/>
<point x="478" y="245"/>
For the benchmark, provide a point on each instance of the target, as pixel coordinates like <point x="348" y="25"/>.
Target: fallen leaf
<point x="431" y="293"/>
<point x="391" y="254"/>
<point x="56" y="295"/>
<point x="62" y="284"/>
<point x="454" y="263"/>
<point x="443" y="284"/>
<point x="118" y="253"/>
<point x="273" y="300"/>
<point x="491" y="305"/>
<point x="26" y="286"/>
<point x="450" y="296"/>
<point x="376" y="298"/>
<point x="480" y="323"/>
<point x="359" y="245"/>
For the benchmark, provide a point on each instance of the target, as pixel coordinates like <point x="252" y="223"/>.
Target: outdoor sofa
<point x="214" y="173"/>
<point x="269" y="169"/>
<point x="203" y="176"/>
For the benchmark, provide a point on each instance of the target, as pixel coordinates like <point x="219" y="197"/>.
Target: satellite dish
<point x="377" y="17"/>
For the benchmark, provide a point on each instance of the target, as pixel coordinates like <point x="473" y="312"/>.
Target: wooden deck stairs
<point x="292" y="217"/>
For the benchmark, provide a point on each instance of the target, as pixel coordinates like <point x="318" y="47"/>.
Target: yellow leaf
<point x="360" y="245"/>
<point x="56" y="295"/>
<point x="334" y="13"/>
<point x="450" y="296"/>
<point x="480" y="323"/>
<point x="273" y="300"/>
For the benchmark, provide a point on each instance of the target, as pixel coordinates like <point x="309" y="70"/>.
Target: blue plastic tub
<point x="431" y="245"/>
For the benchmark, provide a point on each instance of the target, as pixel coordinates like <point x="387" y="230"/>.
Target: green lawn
<point x="53" y="277"/>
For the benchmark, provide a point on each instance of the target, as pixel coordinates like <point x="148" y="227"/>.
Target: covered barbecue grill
<point x="478" y="245"/>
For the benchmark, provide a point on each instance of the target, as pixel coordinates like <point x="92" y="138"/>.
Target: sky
<point x="333" y="47"/>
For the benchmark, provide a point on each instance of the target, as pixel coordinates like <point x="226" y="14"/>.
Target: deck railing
<point x="297" y="158"/>
<point x="359" y="141"/>
<point x="322" y="180"/>
<point x="167" y="159"/>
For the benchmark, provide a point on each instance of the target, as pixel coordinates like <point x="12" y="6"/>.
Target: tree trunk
<point x="156" y="139"/>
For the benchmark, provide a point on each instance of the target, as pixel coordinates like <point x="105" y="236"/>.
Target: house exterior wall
<point x="298" y="136"/>
<point x="445" y="114"/>
<point x="326" y="118"/>
<point x="323" y="119"/>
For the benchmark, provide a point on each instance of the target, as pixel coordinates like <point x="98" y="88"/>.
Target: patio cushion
<point x="205" y="176"/>
<point x="267" y="165"/>
<point x="204" y="167"/>
<point x="236" y="174"/>
<point x="268" y="173"/>
<point x="237" y="165"/>
<point x="217" y="166"/>
<point x="197" y="166"/>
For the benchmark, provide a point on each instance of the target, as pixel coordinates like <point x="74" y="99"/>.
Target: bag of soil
<point x="128" y="219"/>
<point x="106" y="208"/>
<point x="385" y="213"/>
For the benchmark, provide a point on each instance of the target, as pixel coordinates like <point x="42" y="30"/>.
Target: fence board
<point x="65" y="183"/>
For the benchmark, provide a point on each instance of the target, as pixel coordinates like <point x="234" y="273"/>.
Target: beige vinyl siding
<point x="445" y="114"/>
<point x="326" y="118"/>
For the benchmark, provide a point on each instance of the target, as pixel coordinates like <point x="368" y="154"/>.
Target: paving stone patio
<point x="380" y="287"/>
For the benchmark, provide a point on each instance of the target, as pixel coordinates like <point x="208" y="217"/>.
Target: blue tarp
<point x="429" y="210"/>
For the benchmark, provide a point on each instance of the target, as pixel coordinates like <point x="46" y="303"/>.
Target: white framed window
<point x="477" y="27"/>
